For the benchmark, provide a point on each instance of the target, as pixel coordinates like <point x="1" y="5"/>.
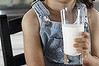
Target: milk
<point x="70" y="32"/>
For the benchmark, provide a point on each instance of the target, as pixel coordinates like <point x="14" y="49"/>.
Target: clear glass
<point x="71" y="28"/>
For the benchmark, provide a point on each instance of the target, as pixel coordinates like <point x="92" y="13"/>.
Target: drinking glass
<point x="72" y="25"/>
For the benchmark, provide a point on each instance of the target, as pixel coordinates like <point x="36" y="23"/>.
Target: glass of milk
<point x="71" y="28"/>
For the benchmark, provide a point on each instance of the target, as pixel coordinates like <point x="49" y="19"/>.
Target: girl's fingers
<point x="81" y="45"/>
<point x="76" y="45"/>
<point x="85" y="34"/>
<point x="81" y="40"/>
<point x="83" y="51"/>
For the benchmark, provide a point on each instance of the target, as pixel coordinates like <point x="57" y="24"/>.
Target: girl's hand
<point x="82" y="45"/>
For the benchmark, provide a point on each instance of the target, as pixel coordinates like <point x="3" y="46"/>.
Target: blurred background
<point x="96" y="4"/>
<point x="14" y="9"/>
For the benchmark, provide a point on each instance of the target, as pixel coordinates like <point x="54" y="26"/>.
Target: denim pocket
<point x="56" y="43"/>
<point x="54" y="50"/>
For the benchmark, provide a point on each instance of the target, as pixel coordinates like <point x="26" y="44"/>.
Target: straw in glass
<point x="63" y="16"/>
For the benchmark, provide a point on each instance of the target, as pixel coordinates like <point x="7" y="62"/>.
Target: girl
<point x="42" y="33"/>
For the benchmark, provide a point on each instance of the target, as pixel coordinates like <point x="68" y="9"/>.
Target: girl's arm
<point x="94" y="31"/>
<point x="93" y="58"/>
<point x="32" y="46"/>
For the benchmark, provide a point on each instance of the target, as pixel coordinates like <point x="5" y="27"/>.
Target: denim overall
<point x="51" y="35"/>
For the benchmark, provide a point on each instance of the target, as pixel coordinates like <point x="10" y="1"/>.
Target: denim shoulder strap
<point x="41" y="11"/>
<point x="40" y="8"/>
